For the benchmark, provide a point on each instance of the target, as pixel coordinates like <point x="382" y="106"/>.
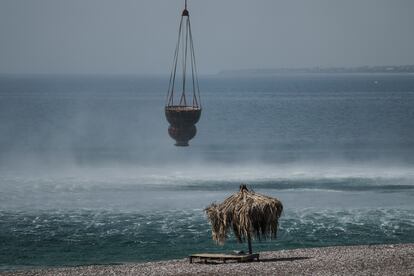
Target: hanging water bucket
<point x="182" y="115"/>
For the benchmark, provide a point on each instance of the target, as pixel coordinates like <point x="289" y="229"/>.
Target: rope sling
<point x="181" y="113"/>
<point x="184" y="53"/>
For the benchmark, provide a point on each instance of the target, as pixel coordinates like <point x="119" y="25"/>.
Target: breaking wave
<point x="88" y="237"/>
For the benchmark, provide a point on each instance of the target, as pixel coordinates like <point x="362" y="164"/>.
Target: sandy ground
<point x="346" y="260"/>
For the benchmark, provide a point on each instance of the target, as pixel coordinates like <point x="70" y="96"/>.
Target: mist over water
<point x="86" y="164"/>
<point x="289" y="118"/>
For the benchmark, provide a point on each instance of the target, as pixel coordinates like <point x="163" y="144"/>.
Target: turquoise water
<point x="88" y="174"/>
<point x="71" y="222"/>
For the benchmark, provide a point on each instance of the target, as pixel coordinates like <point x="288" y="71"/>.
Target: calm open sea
<point x="88" y="174"/>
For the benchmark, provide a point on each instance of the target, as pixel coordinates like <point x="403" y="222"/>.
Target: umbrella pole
<point x="249" y="242"/>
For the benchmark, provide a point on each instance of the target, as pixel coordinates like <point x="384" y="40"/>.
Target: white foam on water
<point x="75" y="177"/>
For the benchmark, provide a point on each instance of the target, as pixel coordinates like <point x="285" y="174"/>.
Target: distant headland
<point x="360" y="69"/>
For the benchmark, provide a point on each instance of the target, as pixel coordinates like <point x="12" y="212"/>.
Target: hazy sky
<point x="138" y="36"/>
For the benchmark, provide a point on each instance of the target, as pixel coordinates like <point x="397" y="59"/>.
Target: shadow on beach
<point x="268" y="260"/>
<point x="290" y="259"/>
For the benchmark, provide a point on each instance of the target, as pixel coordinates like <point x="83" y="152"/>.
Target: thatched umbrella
<point x="249" y="215"/>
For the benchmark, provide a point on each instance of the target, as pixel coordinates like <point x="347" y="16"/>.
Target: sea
<point x="89" y="175"/>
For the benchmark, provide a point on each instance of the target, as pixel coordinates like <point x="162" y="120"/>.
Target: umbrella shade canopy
<point x="249" y="215"/>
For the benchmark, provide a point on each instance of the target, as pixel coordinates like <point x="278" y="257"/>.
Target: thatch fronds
<point x="249" y="215"/>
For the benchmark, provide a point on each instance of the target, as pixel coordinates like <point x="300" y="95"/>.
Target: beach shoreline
<point x="392" y="259"/>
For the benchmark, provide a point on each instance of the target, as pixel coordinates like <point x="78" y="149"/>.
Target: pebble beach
<point x="343" y="260"/>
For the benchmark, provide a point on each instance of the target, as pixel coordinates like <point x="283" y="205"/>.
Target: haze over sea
<point x="89" y="175"/>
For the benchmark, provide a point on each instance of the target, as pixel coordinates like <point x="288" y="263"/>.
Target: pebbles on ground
<point x="341" y="260"/>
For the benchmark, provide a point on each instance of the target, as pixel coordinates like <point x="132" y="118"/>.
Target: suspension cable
<point x="185" y="51"/>
<point x="195" y="69"/>
<point x="185" y="38"/>
<point x="195" y="101"/>
<point x="174" y="71"/>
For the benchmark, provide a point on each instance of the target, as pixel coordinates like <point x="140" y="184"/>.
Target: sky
<point x="139" y="36"/>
